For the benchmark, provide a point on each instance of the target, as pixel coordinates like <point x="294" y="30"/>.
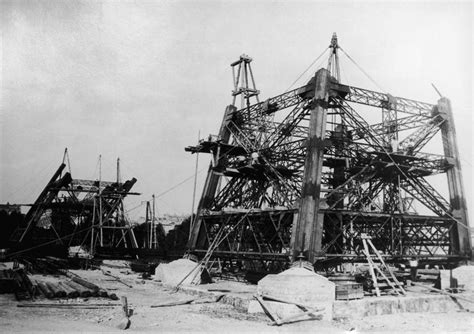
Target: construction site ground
<point x="226" y="316"/>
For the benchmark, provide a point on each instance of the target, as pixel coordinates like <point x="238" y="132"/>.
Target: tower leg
<point x="211" y="183"/>
<point x="309" y="225"/>
<point x="460" y="236"/>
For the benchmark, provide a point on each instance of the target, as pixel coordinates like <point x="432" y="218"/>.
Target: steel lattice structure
<point x="312" y="183"/>
<point x="78" y="212"/>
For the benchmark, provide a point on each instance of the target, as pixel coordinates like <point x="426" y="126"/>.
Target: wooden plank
<point x="107" y="273"/>
<point x="371" y="268"/>
<point x="453" y="295"/>
<point x="387" y="280"/>
<point x="298" y="317"/>
<point x="52" y="305"/>
<point x="174" y="303"/>
<point x="276" y="299"/>
<point x="386" y="267"/>
<point x="273" y="316"/>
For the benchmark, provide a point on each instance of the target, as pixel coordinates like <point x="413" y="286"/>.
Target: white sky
<point x="139" y="79"/>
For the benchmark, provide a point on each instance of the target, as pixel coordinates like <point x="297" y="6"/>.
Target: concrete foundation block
<point x="174" y="272"/>
<point x="358" y="309"/>
<point x="352" y="309"/>
<point x="301" y="286"/>
<point x="254" y="307"/>
<point x="464" y="276"/>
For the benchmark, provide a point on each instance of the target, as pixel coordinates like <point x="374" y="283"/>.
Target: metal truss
<point x="328" y="170"/>
<point x="73" y="209"/>
<point x="249" y="234"/>
<point x="381" y="100"/>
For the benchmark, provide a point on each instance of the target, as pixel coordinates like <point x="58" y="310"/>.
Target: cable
<point x="92" y="226"/>
<point x="37" y="176"/>
<point x="191" y="176"/>
<point x="386" y="152"/>
<point x="51" y="241"/>
<point x="314" y="61"/>
<point x="344" y="77"/>
<point x="95" y="169"/>
<point x="362" y="70"/>
<point x="135" y="207"/>
<point x="167" y="204"/>
<point x="180" y="183"/>
<point x="406" y="177"/>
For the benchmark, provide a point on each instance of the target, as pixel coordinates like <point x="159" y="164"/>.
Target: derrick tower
<point x="311" y="184"/>
<point x="78" y="212"/>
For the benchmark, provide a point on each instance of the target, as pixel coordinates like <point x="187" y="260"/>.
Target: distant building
<point x="10" y="208"/>
<point x="169" y="221"/>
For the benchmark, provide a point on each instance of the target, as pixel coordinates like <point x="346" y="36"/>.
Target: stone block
<point x="301" y="286"/>
<point x="465" y="276"/>
<point x="445" y="279"/>
<point x="372" y="306"/>
<point x="174" y="272"/>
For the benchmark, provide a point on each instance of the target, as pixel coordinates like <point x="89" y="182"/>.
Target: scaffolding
<point x="312" y="183"/>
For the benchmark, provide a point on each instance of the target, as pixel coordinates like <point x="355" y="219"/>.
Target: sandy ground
<point x="198" y="318"/>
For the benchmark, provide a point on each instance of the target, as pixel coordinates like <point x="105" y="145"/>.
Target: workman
<point x="413" y="264"/>
<point x="254" y="158"/>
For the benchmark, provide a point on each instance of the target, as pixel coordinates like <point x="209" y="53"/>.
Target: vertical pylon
<point x="461" y="241"/>
<point x="333" y="62"/>
<point x="212" y="180"/>
<point x="309" y="228"/>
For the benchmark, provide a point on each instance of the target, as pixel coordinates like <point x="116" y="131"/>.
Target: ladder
<point x="377" y="269"/>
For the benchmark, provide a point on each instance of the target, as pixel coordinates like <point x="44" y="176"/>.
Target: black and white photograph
<point x="236" y="166"/>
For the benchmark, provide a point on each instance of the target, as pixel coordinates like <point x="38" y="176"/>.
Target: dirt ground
<point x="197" y="318"/>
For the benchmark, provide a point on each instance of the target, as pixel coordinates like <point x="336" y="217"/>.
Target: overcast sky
<point x="139" y="79"/>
